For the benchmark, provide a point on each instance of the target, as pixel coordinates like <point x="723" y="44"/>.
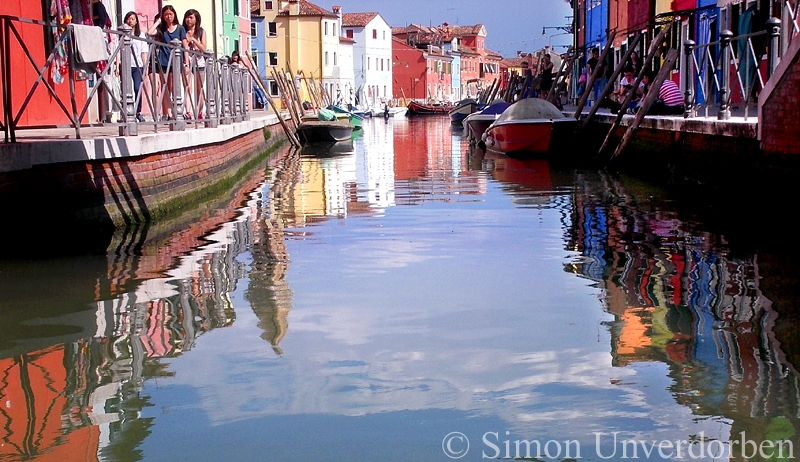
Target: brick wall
<point x="780" y="106"/>
<point x="108" y="194"/>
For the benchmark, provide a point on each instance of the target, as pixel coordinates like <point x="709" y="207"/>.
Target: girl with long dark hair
<point x="166" y="29"/>
<point x="196" y="38"/>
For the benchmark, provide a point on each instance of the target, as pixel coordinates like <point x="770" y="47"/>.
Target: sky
<point x="511" y="25"/>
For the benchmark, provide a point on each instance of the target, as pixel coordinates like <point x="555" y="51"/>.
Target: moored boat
<point x="391" y="111"/>
<point x="415" y="108"/>
<point x="476" y="123"/>
<point x="324" y="130"/>
<point x="354" y="119"/>
<point x="530" y="125"/>
<point x="462" y="109"/>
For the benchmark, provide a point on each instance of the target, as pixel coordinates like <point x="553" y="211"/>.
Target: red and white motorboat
<point x="529" y="125"/>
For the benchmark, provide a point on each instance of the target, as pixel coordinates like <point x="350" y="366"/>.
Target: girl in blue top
<point x="166" y="29"/>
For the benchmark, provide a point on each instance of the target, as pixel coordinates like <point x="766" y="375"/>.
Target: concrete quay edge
<point x="27" y="154"/>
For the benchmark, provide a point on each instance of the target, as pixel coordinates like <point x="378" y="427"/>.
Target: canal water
<point x="409" y="298"/>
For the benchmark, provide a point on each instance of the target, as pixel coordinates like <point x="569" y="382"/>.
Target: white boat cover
<point x="531" y="108"/>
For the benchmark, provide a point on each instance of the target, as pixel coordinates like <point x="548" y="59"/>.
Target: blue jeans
<point x="597" y="88"/>
<point x="136" y="74"/>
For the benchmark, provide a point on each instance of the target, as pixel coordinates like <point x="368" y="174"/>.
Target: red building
<point x="409" y="71"/>
<point x="43" y="108"/>
<point x="479" y="66"/>
<point x="483" y="64"/>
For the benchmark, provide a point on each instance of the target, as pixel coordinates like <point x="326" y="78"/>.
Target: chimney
<point x="337" y="10"/>
<point x="294" y="8"/>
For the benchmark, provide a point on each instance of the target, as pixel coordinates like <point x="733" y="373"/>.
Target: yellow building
<point x="298" y="43"/>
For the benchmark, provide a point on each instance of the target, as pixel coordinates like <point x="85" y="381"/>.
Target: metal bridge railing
<point x="207" y="93"/>
<point x="717" y="71"/>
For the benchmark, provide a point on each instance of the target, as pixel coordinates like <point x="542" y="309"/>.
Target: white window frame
<point x="269" y="5"/>
<point x="270" y="56"/>
<point x="253" y="29"/>
<point x="270" y="33"/>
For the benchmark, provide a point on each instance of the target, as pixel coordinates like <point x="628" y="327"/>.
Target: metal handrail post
<point x="8" y="114"/>
<point x="247" y="84"/>
<point x="225" y="109"/>
<point x="236" y="94"/>
<point x="774" y="28"/>
<point x="688" y="95"/>
<point x="178" y="123"/>
<point x="129" y="126"/>
<point x="725" y="71"/>
<point x="212" y="93"/>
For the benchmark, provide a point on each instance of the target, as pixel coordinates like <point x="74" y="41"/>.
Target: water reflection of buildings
<point x="375" y="172"/>
<point x="163" y="289"/>
<point x="680" y="297"/>
<point x="432" y="162"/>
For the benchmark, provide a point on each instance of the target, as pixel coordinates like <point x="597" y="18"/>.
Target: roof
<point x="493" y="54"/>
<point x="460" y="31"/>
<point x="346" y="40"/>
<point x="465" y="50"/>
<point x="517" y="62"/>
<point x="357" y="19"/>
<point x="309" y="9"/>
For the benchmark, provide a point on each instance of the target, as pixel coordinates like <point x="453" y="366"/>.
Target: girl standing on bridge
<point x="166" y="29"/>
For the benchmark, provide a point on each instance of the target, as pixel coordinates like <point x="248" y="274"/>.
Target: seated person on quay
<point x="670" y="100"/>
<point x="617" y="97"/>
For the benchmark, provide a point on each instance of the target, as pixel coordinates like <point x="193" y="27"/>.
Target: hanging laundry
<point x="60" y="14"/>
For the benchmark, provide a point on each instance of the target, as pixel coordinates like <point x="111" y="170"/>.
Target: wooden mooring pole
<point x="652" y="94"/>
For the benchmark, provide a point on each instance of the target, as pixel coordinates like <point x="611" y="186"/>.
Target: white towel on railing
<point x="90" y="44"/>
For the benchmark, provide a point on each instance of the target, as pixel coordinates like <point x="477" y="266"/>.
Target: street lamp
<point x="566" y="29"/>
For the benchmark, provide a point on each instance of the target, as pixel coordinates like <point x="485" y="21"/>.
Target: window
<point x="368" y="59"/>
<point x="335" y="62"/>
<point x="254" y="57"/>
<point x="384" y="35"/>
<point x="326" y="27"/>
<point x="268" y="5"/>
<point x="374" y="33"/>
<point x="236" y="8"/>
<point x="326" y="58"/>
<point x="381" y="64"/>
<point x="272" y="29"/>
<point x="349" y="33"/>
<point x="273" y="88"/>
<point x="273" y="58"/>
<point x="253" y="30"/>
